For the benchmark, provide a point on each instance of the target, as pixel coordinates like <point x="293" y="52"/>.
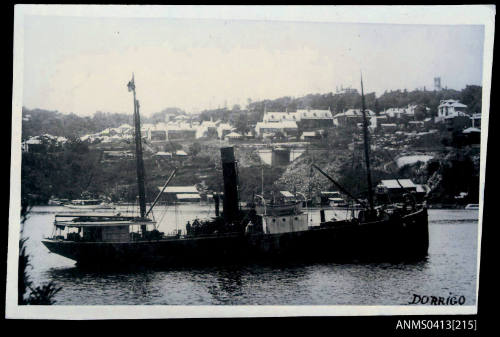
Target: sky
<point x="82" y="64"/>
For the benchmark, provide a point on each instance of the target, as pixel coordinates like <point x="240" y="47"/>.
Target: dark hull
<point x="406" y="239"/>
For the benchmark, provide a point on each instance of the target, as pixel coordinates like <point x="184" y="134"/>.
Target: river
<point x="449" y="269"/>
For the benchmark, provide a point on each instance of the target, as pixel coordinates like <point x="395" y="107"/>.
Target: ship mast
<point x="138" y="151"/>
<point x="367" y="147"/>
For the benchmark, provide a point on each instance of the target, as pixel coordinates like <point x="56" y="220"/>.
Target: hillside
<point x="38" y="121"/>
<point x="338" y="102"/>
<point x="70" y="169"/>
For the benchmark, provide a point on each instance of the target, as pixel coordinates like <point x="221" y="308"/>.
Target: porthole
<point x="284" y="219"/>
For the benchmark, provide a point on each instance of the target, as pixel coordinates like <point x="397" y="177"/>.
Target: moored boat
<point x="56" y="202"/>
<point x="472" y="206"/>
<point x="89" y="204"/>
<point x="278" y="231"/>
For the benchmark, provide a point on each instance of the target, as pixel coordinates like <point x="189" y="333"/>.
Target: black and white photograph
<point x="247" y="161"/>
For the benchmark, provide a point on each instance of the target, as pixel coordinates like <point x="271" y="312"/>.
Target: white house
<point x="285" y="127"/>
<point x="395" y="112"/>
<point x="450" y="108"/>
<point x="314" y="119"/>
<point x="351" y="117"/>
<point x="32" y="141"/>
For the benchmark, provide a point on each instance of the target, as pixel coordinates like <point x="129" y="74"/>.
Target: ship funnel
<point x="230" y="175"/>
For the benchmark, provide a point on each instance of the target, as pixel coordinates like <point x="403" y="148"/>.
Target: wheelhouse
<point x="94" y="228"/>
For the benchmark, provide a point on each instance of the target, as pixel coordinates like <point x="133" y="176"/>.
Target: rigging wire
<point x="176" y="215"/>
<point x="164" y="212"/>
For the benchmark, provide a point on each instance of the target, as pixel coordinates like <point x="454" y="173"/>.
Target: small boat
<point x="89" y="204"/>
<point x="472" y="206"/>
<point x="57" y="202"/>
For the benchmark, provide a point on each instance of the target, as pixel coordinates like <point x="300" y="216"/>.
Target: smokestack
<point x="230" y="202"/>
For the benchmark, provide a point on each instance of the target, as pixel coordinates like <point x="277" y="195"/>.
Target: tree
<point x="195" y="148"/>
<point x="471" y="96"/>
<point x="241" y="124"/>
<point x="376" y="107"/>
<point x="420" y="113"/>
<point x="26" y="292"/>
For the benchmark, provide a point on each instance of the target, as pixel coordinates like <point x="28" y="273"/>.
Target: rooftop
<point x="280" y="116"/>
<point x="354" y="113"/>
<point x="233" y="135"/>
<point x="180" y="189"/>
<point x="393" y="183"/>
<point x="315" y="114"/>
<point x="452" y="103"/>
<point x="286" y="194"/>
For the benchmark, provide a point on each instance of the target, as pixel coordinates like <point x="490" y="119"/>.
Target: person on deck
<point x="196" y="226"/>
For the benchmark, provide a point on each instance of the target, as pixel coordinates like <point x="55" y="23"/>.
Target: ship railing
<point x="228" y="234"/>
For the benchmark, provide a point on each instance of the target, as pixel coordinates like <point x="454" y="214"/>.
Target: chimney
<point x="229" y="172"/>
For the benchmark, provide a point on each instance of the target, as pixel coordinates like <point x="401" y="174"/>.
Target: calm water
<point x="450" y="268"/>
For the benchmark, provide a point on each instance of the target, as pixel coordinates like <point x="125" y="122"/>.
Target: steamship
<point x="239" y="235"/>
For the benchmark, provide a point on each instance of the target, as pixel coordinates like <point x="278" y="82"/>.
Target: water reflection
<point x="228" y="285"/>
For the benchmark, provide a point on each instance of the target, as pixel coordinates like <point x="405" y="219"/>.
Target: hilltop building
<point x="266" y="129"/>
<point x="36" y="143"/>
<point x="395" y="112"/>
<point x="289" y="123"/>
<point x="450" y="108"/>
<point x="314" y="119"/>
<point x="351" y="117"/>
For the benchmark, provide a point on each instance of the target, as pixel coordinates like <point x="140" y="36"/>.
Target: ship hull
<point x="406" y="239"/>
